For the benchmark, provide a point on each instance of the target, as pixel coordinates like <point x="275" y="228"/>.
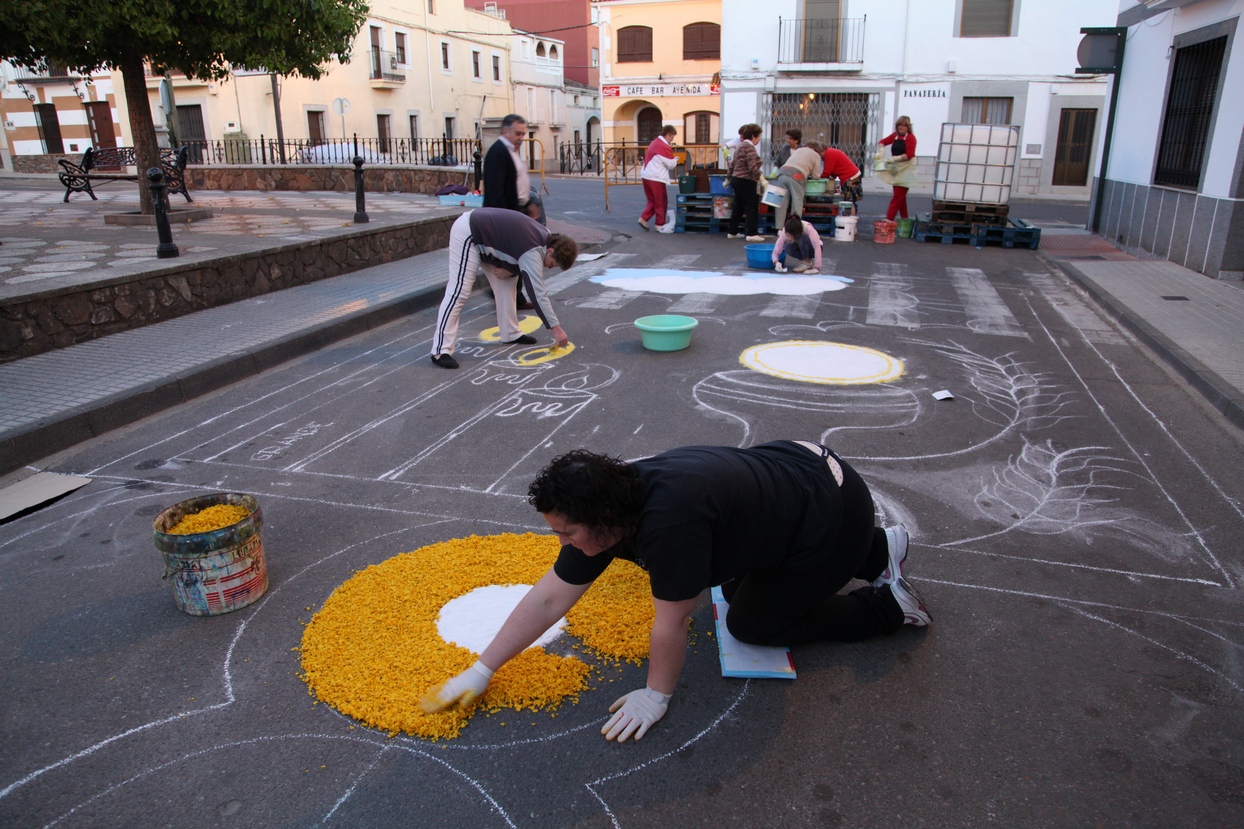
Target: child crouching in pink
<point x="802" y="245"/>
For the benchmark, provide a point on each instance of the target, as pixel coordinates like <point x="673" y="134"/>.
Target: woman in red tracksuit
<point x="902" y="145"/>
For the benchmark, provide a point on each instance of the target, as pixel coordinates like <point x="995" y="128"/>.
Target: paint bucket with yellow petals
<point x="216" y="563"/>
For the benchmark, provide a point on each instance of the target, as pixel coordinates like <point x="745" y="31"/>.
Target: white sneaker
<point x="755" y="238"/>
<point x="644" y="224"/>
<point x="914" y="611"/>
<point x="896" y="541"/>
<point x="734" y="235"/>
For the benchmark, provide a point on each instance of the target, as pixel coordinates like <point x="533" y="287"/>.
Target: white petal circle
<point x="472" y="620"/>
<point x="813" y="361"/>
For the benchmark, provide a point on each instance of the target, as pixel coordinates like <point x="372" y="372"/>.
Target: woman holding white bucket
<point x="900" y="168"/>
<point x="803" y="164"/>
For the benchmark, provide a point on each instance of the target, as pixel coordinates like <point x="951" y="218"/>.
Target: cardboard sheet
<point x="35" y="490"/>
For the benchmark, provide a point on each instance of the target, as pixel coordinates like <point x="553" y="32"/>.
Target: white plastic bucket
<point x="844" y="228"/>
<point x="774" y="196"/>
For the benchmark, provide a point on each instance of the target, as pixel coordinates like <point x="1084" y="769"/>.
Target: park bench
<point x="105" y="165"/>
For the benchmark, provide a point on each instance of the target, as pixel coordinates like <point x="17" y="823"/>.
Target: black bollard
<point x="479" y="169"/>
<point x="159" y="197"/>
<point x="360" y="207"/>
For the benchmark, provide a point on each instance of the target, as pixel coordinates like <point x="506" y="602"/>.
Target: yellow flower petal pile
<point x="210" y="518"/>
<point x="373" y="650"/>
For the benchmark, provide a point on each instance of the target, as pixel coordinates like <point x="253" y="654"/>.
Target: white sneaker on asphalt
<point x="914" y="611"/>
<point x="896" y="541"/>
<point x="755" y="238"/>
<point x="734" y="235"/>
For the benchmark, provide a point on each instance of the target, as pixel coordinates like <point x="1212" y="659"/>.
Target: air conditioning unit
<point x="392" y="61"/>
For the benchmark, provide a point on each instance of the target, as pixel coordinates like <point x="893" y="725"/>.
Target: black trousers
<point x="746" y="201"/>
<point x="797" y="603"/>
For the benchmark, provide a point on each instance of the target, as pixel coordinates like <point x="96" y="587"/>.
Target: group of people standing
<point x="796" y="163"/>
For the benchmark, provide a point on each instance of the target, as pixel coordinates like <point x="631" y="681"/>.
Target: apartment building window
<point x="987" y="110"/>
<point x="414" y="128"/>
<point x="399" y="47"/>
<point x="524" y="49"/>
<point x="445" y="64"/>
<point x="384" y="132"/>
<point x="553" y="107"/>
<point x="595" y="55"/>
<point x="986" y="18"/>
<point x="476" y="72"/>
<point x="1189" y="113"/>
<point x="701" y="41"/>
<point x="553" y="53"/>
<point x="635" y="44"/>
<point x="431" y="6"/>
<point x="496" y="67"/>
<point x="449" y="127"/>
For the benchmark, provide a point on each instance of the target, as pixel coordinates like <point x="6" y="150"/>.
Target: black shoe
<point x="523" y="339"/>
<point x="523" y="305"/>
<point x="445" y="360"/>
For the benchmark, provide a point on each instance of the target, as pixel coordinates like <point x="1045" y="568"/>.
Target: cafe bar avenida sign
<point x="665" y="90"/>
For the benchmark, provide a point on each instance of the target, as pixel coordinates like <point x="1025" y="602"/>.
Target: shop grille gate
<point x="849" y="121"/>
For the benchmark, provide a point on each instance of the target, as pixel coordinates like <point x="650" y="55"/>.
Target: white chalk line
<point x="1136" y="453"/>
<point x="1067" y="600"/>
<point x="947" y="547"/>
<point x="626" y="773"/>
<point x="283" y="737"/>
<point x="464" y="377"/>
<point x="1114" y="369"/>
<point x="346" y="796"/>
<point x="1178" y="653"/>
<point x="370" y="507"/>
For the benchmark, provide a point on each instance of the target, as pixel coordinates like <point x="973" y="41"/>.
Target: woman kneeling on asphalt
<point x="782" y="527"/>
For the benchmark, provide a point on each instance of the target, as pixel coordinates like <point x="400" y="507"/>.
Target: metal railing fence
<point x="813" y="40"/>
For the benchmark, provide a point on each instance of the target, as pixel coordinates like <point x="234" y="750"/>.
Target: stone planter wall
<point x="42" y="163"/>
<point x="39" y="323"/>
<point x="377" y="179"/>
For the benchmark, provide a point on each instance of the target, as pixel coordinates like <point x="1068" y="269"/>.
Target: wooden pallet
<point x="970" y="213"/>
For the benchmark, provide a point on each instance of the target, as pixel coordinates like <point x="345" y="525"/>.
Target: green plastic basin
<point x="666" y="332"/>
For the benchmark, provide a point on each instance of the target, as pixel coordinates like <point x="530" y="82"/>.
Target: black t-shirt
<point x="713" y="513"/>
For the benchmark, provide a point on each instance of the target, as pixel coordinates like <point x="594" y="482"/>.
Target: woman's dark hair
<point x="597" y="491"/>
<point x="750" y="131"/>
<point x="795" y="134"/>
<point x="793" y="226"/>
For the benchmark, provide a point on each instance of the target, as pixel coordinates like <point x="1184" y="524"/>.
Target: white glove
<point x="639" y="710"/>
<point x="461" y="689"/>
<point x="779" y="267"/>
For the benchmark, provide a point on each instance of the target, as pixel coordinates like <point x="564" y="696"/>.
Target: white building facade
<point x="557" y="112"/>
<point x="843" y="71"/>
<point x="1175" y="182"/>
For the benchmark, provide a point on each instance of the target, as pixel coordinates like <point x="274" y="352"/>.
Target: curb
<point x="1224" y="397"/>
<point x="39" y="440"/>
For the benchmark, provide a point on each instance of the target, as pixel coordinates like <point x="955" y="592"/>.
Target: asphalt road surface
<point x="1075" y="518"/>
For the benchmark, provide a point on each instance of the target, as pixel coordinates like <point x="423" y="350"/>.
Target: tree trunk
<point x="142" y="127"/>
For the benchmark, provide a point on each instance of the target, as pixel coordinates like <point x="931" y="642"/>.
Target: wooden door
<point x="49" y="128"/>
<point x="99" y="120"/>
<point x="193" y="135"/>
<point x="650" y="123"/>
<point x="1075" y="147"/>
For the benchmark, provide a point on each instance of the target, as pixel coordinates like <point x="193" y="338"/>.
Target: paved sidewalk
<point x="1195" y="323"/>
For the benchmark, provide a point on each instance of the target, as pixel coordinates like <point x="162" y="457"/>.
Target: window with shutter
<point x="987" y="110"/>
<point x="986" y="18"/>
<point x="634" y="44"/>
<point x="701" y="41"/>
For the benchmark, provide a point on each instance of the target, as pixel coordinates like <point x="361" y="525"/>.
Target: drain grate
<point x="1176" y="299"/>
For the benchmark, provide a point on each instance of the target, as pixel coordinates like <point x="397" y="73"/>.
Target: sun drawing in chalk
<point x="812" y="361"/>
<point x="395" y="629"/>
<point x="526" y="324"/>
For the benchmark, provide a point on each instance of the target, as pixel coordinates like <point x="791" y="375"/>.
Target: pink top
<point x="813" y="236"/>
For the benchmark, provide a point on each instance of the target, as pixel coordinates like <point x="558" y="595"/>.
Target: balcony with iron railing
<point x="387" y="70"/>
<point x="821" y="45"/>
